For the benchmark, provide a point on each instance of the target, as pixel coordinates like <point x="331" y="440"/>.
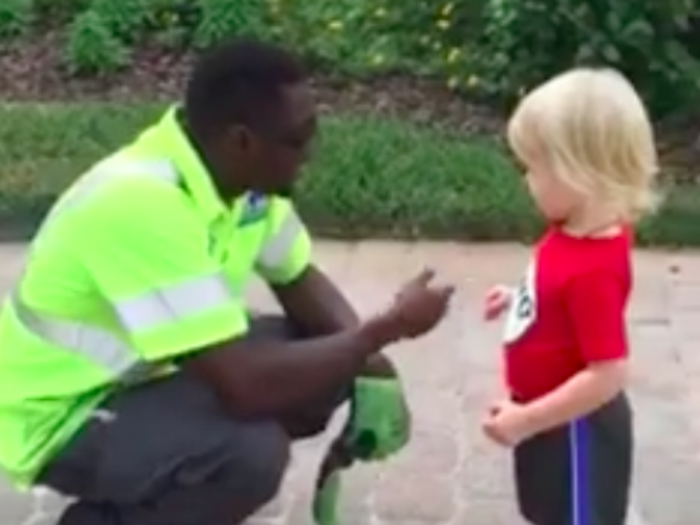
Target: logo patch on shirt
<point x="254" y="209"/>
<point x="523" y="307"/>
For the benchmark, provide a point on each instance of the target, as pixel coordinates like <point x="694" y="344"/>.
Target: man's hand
<point x="417" y="308"/>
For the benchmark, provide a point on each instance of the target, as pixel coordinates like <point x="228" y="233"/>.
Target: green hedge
<point x="368" y="177"/>
<point x="491" y="48"/>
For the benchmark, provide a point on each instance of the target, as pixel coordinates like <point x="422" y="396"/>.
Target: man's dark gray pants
<point x="167" y="453"/>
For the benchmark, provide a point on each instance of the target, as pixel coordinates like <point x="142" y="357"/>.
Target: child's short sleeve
<point x="596" y="304"/>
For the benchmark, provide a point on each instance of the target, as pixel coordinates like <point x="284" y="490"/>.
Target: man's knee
<point x="314" y="418"/>
<point x="256" y="468"/>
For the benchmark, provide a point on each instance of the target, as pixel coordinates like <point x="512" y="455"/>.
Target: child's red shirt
<point x="568" y="311"/>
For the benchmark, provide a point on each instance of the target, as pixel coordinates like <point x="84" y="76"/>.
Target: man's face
<point x="280" y="145"/>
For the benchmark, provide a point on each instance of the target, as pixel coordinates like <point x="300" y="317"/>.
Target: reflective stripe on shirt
<point x="113" y="168"/>
<point x="163" y="306"/>
<point x="101" y="347"/>
<point x="148" y="311"/>
<point x="152" y="309"/>
<point x="275" y="250"/>
<point x="98" y="346"/>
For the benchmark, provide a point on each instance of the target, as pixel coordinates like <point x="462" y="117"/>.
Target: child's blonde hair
<point x="591" y="128"/>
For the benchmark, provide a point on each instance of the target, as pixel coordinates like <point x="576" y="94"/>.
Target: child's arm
<point x="497" y="301"/>
<point x="596" y="307"/>
<point x="581" y="395"/>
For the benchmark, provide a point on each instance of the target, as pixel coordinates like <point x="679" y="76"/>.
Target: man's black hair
<point x="238" y="82"/>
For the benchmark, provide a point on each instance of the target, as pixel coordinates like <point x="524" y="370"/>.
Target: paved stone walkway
<point x="451" y="474"/>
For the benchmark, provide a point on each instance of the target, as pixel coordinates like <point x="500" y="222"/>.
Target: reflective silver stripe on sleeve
<point x="100" y="174"/>
<point x="167" y="305"/>
<point x="112" y="168"/>
<point x="277" y="247"/>
<point x="94" y="344"/>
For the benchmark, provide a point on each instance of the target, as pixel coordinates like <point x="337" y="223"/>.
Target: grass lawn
<point x="368" y="177"/>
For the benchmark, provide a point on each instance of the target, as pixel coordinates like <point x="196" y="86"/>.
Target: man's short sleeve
<point x="286" y="251"/>
<point x="147" y="251"/>
<point x="596" y="304"/>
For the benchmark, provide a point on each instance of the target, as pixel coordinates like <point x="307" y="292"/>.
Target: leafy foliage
<point x="171" y="22"/>
<point x="495" y="49"/>
<point x="124" y="18"/>
<point x="57" y="12"/>
<point x="16" y="17"/>
<point x="351" y="36"/>
<point x="92" y="47"/>
<point x="223" y="18"/>
<point x="524" y="41"/>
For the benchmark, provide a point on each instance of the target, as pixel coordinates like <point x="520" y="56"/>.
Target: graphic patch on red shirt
<point x="568" y="311"/>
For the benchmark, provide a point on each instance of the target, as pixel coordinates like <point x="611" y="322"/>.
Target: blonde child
<point x="587" y="146"/>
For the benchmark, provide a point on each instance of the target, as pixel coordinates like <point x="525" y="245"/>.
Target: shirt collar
<point x="170" y="139"/>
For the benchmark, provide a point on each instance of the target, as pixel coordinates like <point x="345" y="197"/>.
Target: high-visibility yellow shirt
<point x="138" y="263"/>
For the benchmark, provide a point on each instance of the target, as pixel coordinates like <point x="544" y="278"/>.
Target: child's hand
<point x="497" y="301"/>
<point x="508" y="423"/>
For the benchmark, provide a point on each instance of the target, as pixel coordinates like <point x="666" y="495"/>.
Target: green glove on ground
<point x="379" y="420"/>
<point x="378" y="426"/>
<point x="325" y="503"/>
<point x="337" y="458"/>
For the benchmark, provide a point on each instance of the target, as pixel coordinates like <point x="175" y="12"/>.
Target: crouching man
<point x="131" y="374"/>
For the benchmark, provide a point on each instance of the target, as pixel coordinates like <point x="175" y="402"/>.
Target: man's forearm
<point x="316" y="305"/>
<point x="258" y="379"/>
